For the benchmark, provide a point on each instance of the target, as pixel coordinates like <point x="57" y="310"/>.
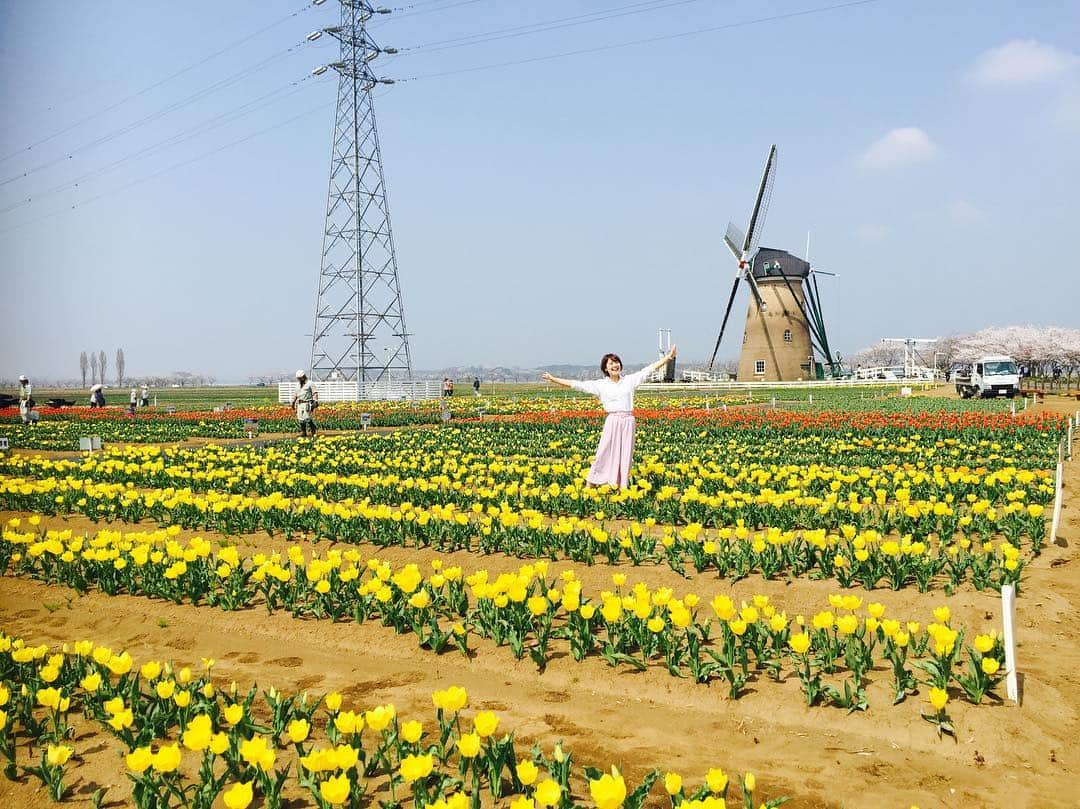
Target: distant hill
<point x="503" y="374"/>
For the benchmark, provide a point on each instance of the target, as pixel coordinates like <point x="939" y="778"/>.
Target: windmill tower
<point x="784" y="325"/>
<point x="776" y="340"/>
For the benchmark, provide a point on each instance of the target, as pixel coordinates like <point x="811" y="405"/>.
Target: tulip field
<point x="794" y="603"/>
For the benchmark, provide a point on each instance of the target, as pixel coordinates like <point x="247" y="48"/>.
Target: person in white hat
<point x="26" y="398"/>
<point x="144" y="396"/>
<point x="305" y="401"/>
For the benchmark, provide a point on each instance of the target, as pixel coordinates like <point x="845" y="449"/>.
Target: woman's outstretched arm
<point x="660" y="363"/>
<point x="556" y="380"/>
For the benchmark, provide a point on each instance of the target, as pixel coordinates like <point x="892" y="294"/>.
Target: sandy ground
<point x="1003" y="755"/>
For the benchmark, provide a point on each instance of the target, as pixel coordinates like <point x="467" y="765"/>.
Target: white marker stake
<point x="1057" y="504"/>
<point x="1008" y="615"/>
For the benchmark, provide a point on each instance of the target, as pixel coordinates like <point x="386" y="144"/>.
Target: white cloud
<point x="1021" y="61"/>
<point x="874" y="233"/>
<point x="962" y="212"/>
<point x="900" y="147"/>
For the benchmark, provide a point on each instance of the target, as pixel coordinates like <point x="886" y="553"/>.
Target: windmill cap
<point x="301" y="374"/>
<point x="22" y="378"/>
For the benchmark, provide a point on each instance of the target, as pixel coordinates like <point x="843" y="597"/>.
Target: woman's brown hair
<point x="604" y="360"/>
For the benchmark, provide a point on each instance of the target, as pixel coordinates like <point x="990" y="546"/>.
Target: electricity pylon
<point x="359" y="320"/>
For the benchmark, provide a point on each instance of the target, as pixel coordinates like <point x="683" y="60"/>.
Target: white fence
<point x="346" y="391"/>
<point x="913" y="373"/>
<point x="817" y="383"/>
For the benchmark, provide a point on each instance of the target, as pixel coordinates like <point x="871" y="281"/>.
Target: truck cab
<point x="994" y="375"/>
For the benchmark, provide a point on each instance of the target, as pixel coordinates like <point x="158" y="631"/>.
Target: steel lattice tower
<point x="358" y="311"/>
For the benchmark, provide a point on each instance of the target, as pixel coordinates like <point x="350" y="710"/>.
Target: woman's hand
<point x="670" y="355"/>
<point x="547" y="377"/>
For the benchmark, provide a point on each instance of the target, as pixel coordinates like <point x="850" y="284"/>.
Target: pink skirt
<point x="616" y="451"/>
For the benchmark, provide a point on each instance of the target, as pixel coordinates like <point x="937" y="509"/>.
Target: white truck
<point x="986" y="377"/>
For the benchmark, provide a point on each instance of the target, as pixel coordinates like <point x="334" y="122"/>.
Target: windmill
<point x="784" y="323"/>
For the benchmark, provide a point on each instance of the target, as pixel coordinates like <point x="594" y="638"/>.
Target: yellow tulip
<point x="234" y="713"/>
<point x="139" y="760"/>
<point x="298" y="730"/>
<point x="57" y="755"/>
<point x="608" y="791"/>
<point x="379" y="717"/>
<point x="335" y="790"/>
<point x="347" y="722"/>
<point x="413" y="768"/>
<point x="469" y="745"/>
<point x="717" y="780"/>
<point x="547" y="792"/>
<point x="452" y="699"/>
<point x="673" y="783"/>
<point x="219" y="743"/>
<point x="238" y="796"/>
<point x="799" y="643"/>
<point x="198" y="733"/>
<point x="167" y="759"/>
<point x="345" y="756"/>
<point x="485" y="724"/>
<point x="526" y="772"/>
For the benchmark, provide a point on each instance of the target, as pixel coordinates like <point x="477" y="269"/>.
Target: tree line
<point x="98" y="366"/>
<point x="94" y="369"/>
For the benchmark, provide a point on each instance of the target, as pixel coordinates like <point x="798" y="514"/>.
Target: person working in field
<point x="616" y="394"/>
<point x="305" y="401"/>
<point x="26" y="400"/>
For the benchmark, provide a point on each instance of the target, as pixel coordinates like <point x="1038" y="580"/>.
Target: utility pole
<point x="358" y="307"/>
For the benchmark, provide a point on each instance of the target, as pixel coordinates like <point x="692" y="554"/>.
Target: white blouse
<point x="616" y="397"/>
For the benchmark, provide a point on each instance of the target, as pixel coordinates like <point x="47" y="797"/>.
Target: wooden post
<point x="1057" y="503"/>
<point x="1008" y="617"/>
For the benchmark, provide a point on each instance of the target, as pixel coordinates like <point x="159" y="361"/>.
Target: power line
<point x="646" y="41"/>
<point x="222" y="119"/>
<point x="255" y="104"/>
<point x="173" y="167"/>
<point x="546" y="25"/>
<point x="176" y="105"/>
<point x="406" y="13"/>
<point x="155" y="85"/>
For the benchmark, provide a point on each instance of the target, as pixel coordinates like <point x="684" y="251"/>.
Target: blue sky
<point x="544" y="212"/>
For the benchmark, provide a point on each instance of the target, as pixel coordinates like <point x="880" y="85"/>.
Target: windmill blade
<point x="761" y="205"/>
<point x="754" y="288"/>
<point x="723" y="324"/>
<point x="734" y="239"/>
